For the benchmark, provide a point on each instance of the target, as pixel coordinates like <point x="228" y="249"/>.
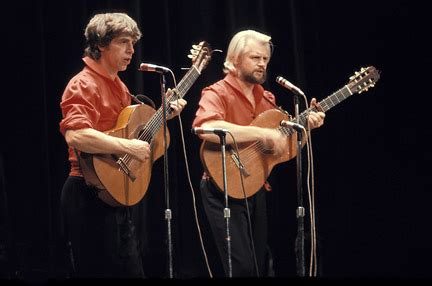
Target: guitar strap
<point x="140" y="97"/>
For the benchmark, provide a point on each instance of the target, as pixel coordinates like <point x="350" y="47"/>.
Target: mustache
<point x="252" y="79"/>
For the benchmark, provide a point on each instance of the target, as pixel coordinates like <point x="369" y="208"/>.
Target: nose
<point x="262" y="62"/>
<point x="130" y="49"/>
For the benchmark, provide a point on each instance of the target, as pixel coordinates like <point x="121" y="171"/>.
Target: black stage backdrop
<point x="372" y="189"/>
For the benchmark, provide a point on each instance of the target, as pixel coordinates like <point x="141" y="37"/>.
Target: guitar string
<point x="255" y="149"/>
<point x="252" y="148"/>
<point x="154" y="123"/>
<point x="252" y="151"/>
<point x="156" y="120"/>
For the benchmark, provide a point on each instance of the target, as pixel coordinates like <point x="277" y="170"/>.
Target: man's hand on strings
<point x="315" y="119"/>
<point x="176" y="107"/>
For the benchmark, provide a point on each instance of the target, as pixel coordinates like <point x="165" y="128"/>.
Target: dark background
<point x="372" y="178"/>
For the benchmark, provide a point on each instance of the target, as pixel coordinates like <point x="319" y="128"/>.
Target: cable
<point x="247" y="205"/>
<point x="311" y="196"/>
<point x="192" y="188"/>
<point x="193" y="199"/>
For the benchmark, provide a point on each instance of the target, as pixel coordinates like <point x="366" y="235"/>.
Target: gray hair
<point x="102" y="28"/>
<point x="238" y="44"/>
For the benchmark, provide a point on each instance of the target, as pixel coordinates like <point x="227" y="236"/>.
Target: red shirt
<point x="92" y="100"/>
<point x="225" y="100"/>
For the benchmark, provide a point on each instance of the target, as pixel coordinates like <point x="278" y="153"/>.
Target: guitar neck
<point x="155" y="123"/>
<point x="325" y="104"/>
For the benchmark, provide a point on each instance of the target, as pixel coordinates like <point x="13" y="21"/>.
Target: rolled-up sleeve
<point x="79" y="106"/>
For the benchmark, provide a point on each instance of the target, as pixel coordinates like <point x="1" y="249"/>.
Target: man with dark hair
<point x="103" y="238"/>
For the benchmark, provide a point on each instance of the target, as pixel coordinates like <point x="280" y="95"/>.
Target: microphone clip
<point x="217" y="131"/>
<point x="153" y="68"/>
<point x="297" y="127"/>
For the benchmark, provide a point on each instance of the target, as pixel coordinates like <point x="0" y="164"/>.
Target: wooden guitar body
<point x="256" y="162"/>
<point x="125" y="188"/>
<point x="120" y="179"/>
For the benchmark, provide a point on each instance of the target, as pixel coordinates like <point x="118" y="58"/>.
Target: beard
<point x="251" y="78"/>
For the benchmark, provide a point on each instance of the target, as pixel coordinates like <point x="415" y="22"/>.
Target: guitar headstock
<point x="364" y="79"/>
<point x="200" y="55"/>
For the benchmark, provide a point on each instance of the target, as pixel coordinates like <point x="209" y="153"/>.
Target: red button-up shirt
<point x="225" y="100"/>
<point x="92" y="100"/>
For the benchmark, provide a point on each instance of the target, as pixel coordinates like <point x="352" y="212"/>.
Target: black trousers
<point x="242" y="252"/>
<point x="103" y="239"/>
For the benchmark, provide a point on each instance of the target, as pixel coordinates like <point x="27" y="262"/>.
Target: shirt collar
<point x="97" y="68"/>
<point x="230" y="79"/>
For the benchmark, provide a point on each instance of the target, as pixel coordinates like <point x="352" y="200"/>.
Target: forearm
<point x="240" y="133"/>
<point x="92" y="141"/>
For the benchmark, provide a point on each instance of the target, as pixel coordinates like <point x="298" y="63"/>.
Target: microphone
<point x="203" y="130"/>
<point x="285" y="83"/>
<point x="293" y="125"/>
<point x="153" y="68"/>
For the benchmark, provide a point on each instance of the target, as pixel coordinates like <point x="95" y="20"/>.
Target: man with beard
<point x="233" y="103"/>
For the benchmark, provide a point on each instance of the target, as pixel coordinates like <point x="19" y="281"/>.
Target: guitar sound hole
<point x="144" y="135"/>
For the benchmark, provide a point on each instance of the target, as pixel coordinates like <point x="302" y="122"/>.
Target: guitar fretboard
<point x="326" y="104"/>
<point x="154" y="124"/>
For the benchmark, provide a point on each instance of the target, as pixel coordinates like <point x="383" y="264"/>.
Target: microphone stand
<point x="168" y="213"/>
<point x="300" y="212"/>
<point x="227" y="211"/>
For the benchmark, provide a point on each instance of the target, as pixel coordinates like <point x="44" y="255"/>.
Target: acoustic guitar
<point x="252" y="161"/>
<point x="120" y="179"/>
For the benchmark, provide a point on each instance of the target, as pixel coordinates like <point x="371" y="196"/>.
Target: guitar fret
<point x="327" y="103"/>
<point x="324" y="105"/>
<point x="333" y="100"/>
<point x="155" y="123"/>
<point x="255" y="157"/>
<point x="190" y="74"/>
<point x="286" y="131"/>
<point x="144" y="123"/>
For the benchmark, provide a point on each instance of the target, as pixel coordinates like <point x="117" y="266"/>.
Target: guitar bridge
<point x="123" y="167"/>
<point x="239" y="165"/>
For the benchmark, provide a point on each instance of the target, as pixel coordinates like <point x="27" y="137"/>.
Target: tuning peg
<point x="196" y="47"/>
<point x="191" y="56"/>
<point x="354" y="78"/>
<point x="194" y="52"/>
